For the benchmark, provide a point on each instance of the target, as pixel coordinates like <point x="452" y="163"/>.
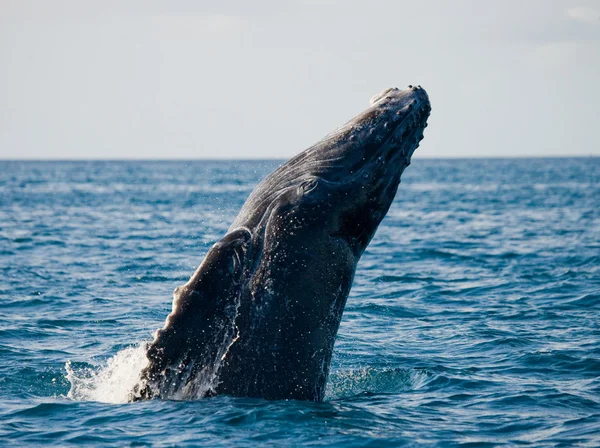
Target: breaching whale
<point x="260" y="315"/>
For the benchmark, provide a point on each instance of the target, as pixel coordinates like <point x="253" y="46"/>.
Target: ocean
<point x="474" y="319"/>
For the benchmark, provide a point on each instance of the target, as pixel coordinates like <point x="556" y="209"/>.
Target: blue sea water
<point x="473" y="320"/>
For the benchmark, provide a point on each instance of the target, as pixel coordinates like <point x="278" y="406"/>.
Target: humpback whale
<point x="260" y="315"/>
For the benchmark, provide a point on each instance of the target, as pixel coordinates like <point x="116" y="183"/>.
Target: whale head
<point x="354" y="172"/>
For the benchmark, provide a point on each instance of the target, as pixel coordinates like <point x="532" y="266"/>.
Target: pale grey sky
<point x="262" y="79"/>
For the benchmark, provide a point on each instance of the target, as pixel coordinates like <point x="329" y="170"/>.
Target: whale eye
<point x="235" y="266"/>
<point x="309" y="185"/>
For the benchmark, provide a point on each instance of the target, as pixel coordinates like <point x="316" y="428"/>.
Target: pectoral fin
<point x="202" y="322"/>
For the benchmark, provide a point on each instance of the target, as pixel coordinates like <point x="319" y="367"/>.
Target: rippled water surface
<point x="473" y="320"/>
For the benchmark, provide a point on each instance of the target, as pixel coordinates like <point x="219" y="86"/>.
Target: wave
<point x="372" y="380"/>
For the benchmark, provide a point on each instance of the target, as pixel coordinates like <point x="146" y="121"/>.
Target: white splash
<point x="112" y="383"/>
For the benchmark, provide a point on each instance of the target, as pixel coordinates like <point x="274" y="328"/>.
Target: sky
<point x="193" y="79"/>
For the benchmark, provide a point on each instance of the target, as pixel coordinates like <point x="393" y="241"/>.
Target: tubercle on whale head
<point x="393" y="125"/>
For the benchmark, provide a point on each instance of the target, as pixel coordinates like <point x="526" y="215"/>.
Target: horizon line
<point x="264" y="159"/>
